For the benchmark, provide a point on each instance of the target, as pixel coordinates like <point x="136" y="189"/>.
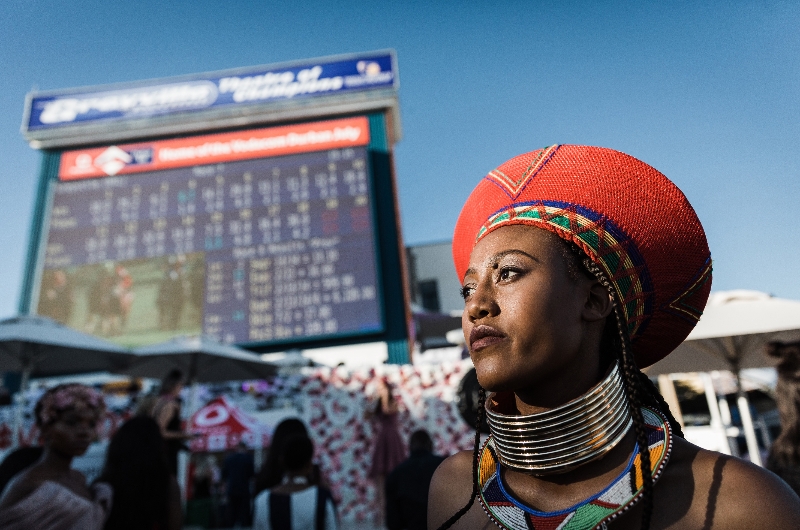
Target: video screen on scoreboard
<point x="208" y="235"/>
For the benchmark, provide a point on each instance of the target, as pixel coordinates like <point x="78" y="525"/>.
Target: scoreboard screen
<point x="251" y="237"/>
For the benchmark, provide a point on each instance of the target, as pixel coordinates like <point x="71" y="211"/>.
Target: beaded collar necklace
<point x="593" y="513"/>
<point x="565" y="437"/>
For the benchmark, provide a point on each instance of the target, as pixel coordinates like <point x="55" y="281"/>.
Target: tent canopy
<point x="202" y="359"/>
<point x="733" y="332"/>
<point x="42" y="347"/>
<point x="221" y="425"/>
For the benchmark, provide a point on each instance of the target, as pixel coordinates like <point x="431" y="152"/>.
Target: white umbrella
<point x="732" y="335"/>
<point x="201" y="358"/>
<point x="40" y="347"/>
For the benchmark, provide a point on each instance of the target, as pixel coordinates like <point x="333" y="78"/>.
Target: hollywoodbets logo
<point x="114" y="159"/>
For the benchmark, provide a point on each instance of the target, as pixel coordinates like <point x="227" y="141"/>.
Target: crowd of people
<point x="290" y="491"/>
<point x="138" y="487"/>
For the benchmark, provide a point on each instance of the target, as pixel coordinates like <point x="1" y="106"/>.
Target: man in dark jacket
<point x="407" y="485"/>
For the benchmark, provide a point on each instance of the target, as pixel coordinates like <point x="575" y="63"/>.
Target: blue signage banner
<point x="241" y="87"/>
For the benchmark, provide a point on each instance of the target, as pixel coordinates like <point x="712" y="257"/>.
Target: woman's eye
<point x="467" y="291"/>
<point x="507" y="274"/>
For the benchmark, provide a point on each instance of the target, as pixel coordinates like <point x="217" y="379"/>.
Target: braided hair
<point x="475" y="460"/>
<point x="639" y="389"/>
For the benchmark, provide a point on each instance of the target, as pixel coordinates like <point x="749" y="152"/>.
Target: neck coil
<point x="563" y="438"/>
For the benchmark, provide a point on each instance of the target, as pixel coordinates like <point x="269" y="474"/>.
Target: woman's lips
<point x="483" y="336"/>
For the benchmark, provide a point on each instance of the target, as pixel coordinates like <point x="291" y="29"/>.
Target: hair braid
<point x="632" y="390"/>
<point x="629" y="373"/>
<point x="475" y="463"/>
<point x="659" y="403"/>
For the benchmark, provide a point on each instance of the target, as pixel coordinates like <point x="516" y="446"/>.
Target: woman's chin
<point x="494" y="378"/>
<point x="501" y="377"/>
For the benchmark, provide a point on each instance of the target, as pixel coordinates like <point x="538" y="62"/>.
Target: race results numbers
<point x="287" y="244"/>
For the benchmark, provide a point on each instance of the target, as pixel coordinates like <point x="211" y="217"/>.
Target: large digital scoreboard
<point x="263" y="236"/>
<point x="215" y="234"/>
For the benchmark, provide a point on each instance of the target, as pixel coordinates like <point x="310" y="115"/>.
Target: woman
<point x="50" y="495"/>
<point x="579" y="265"/>
<point x="146" y="495"/>
<point x="295" y="503"/>
<point x="388" y="451"/>
<point x="272" y="471"/>
<point x="167" y="413"/>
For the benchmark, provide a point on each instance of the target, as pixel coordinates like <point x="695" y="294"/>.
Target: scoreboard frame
<point x="380" y="107"/>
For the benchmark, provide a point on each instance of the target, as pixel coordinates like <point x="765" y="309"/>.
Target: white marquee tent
<point x="732" y="335"/>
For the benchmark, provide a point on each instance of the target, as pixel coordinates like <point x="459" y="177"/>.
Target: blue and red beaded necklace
<point x="615" y="499"/>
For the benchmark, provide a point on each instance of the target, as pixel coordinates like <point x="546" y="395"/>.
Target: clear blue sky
<point x="708" y="94"/>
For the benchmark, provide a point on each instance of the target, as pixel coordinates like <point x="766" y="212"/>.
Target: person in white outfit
<point x="50" y="495"/>
<point x="295" y="504"/>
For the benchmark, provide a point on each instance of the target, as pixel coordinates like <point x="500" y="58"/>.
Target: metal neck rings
<point x="563" y="438"/>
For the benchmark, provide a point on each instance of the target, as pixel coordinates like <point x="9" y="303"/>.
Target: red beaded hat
<point x="625" y="215"/>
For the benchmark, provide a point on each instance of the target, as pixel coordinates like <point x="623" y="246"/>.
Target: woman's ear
<point x="598" y="303"/>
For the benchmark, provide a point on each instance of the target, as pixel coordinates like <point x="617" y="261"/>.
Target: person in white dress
<point x="50" y="495"/>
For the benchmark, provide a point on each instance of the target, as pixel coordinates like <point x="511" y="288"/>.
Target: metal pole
<point x="747" y="424"/>
<point x="747" y="420"/>
<point x="749" y="430"/>
<point x="736" y="349"/>
<point x="667" y="389"/>
<point x="727" y="422"/>
<point x="716" y="417"/>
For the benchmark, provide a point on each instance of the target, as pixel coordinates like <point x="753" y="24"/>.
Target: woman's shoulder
<point x="451" y="485"/>
<point x="721" y="491"/>
<point x="451" y="490"/>
<point x="458" y="464"/>
<point x="41" y="482"/>
<point x="21" y="486"/>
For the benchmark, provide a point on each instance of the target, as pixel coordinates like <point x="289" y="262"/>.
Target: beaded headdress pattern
<point x="628" y="218"/>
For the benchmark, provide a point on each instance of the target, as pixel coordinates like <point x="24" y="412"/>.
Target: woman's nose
<point x="482" y="303"/>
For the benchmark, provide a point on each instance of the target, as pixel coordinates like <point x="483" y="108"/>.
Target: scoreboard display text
<point x="260" y="236"/>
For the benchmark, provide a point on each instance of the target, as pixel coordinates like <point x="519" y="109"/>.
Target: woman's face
<point x="72" y="433"/>
<point x="525" y="318"/>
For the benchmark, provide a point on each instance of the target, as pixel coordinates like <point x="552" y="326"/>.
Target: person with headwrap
<point x="50" y="495"/>
<point x="579" y="266"/>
